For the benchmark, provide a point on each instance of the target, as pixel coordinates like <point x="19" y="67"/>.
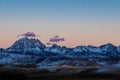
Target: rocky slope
<point x="32" y="52"/>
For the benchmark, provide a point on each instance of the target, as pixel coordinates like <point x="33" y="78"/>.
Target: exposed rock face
<point x="26" y="43"/>
<point x="32" y="51"/>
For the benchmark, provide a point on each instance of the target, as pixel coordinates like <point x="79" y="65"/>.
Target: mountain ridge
<point x="33" y="51"/>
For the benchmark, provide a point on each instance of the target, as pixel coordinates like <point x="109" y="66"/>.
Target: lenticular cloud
<point x="56" y="39"/>
<point x="28" y="34"/>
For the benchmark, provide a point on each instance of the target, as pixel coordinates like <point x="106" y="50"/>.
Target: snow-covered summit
<point x="27" y="43"/>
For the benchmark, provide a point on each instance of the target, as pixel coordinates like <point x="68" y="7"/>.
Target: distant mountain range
<point x="32" y="52"/>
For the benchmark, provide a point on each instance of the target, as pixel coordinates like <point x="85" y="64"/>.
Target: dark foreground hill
<point x="69" y="74"/>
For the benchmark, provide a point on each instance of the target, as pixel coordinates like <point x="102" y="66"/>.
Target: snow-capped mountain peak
<point x="27" y="43"/>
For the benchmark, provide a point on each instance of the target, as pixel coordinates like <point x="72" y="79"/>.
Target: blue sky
<point x="61" y="8"/>
<point x="87" y="21"/>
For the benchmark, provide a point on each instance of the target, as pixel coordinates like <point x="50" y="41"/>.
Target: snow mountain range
<point x="30" y="52"/>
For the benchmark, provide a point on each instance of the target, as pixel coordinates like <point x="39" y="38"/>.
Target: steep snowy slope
<point x="26" y="45"/>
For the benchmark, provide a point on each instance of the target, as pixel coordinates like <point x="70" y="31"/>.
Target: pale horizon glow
<point x="80" y="22"/>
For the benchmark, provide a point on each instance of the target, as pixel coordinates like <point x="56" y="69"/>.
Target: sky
<point x="80" y="22"/>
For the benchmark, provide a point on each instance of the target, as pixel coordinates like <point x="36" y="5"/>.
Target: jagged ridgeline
<point x="31" y="51"/>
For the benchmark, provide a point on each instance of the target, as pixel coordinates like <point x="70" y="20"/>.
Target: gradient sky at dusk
<point x="80" y="22"/>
